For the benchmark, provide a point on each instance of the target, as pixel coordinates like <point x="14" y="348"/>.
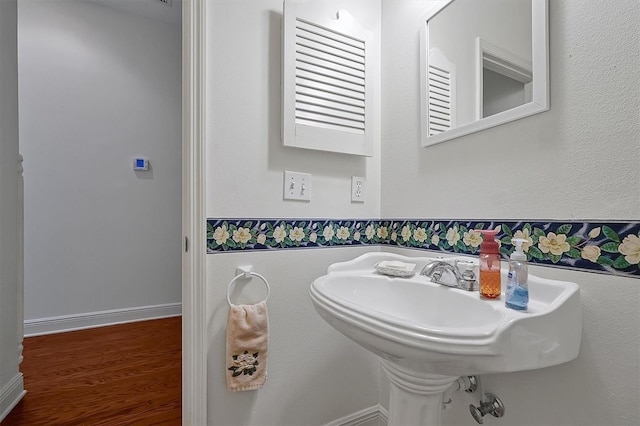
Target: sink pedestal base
<point x="415" y="397"/>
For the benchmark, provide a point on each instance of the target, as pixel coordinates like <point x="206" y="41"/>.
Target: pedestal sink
<point x="427" y="334"/>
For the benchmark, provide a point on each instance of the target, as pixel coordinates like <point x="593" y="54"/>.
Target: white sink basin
<point x="426" y="327"/>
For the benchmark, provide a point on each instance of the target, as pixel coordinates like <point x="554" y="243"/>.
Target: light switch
<point x="297" y="186"/>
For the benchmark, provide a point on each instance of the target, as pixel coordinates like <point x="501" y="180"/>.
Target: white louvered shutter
<point x="326" y="81"/>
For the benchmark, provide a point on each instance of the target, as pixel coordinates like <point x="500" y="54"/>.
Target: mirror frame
<point x="540" y="66"/>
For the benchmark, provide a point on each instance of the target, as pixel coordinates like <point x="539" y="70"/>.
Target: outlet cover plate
<point x="358" y="185"/>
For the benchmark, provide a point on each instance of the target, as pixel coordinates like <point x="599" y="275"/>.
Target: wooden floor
<point x="126" y="374"/>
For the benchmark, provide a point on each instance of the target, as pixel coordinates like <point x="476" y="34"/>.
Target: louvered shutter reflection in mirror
<point x="326" y="81"/>
<point x="440" y="100"/>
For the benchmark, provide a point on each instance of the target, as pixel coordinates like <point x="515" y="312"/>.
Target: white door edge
<point x="194" y="336"/>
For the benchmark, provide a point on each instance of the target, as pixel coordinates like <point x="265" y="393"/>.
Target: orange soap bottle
<point x="490" y="284"/>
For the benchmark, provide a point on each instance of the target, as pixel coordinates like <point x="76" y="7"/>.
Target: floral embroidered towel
<point x="247" y="339"/>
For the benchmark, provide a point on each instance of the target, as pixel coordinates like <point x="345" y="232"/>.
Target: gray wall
<point x="98" y="86"/>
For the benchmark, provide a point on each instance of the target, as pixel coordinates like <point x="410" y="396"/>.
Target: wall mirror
<point x="483" y="63"/>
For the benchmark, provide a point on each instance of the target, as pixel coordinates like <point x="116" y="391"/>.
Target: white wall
<point x="244" y="151"/>
<point x="99" y="86"/>
<point x="315" y="374"/>
<point x="11" y="383"/>
<point x="577" y="161"/>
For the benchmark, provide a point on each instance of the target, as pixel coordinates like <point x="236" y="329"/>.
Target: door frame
<point x="194" y="332"/>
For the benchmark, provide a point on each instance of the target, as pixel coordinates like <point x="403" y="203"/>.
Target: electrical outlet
<point x="358" y="189"/>
<point x="297" y="186"/>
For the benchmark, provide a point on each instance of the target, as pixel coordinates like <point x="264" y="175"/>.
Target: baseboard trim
<point x="376" y="415"/>
<point x="61" y="324"/>
<point x="11" y="394"/>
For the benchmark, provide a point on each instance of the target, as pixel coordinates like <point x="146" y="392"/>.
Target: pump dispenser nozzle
<point x="489" y="243"/>
<point x="518" y="254"/>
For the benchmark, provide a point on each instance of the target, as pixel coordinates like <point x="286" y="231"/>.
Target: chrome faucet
<point x="460" y="274"/>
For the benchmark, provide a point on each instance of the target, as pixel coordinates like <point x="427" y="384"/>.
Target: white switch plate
<point x="297" y="186"/>
<point x="358" y="185"/>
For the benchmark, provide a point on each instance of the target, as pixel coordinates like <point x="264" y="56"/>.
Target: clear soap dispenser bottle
<point x="490" y="283"/>
<point x="517" y="287"/>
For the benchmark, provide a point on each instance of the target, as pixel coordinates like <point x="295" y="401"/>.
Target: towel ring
<point x="248" y="275"/>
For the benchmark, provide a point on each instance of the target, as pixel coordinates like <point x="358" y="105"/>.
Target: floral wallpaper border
<point x="604" y="247"/>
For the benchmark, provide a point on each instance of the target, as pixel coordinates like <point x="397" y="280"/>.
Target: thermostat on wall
<point x="140" y="164"/>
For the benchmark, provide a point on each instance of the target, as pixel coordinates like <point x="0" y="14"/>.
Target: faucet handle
<point x="465" y="266"/>
<point x="467" y="273"/>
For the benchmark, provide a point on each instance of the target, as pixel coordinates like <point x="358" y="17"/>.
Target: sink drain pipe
<point x="468" y="384"/>
<point x="489" y="403"/>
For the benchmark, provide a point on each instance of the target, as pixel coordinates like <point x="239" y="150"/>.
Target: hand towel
<point x="247" y="341"/>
